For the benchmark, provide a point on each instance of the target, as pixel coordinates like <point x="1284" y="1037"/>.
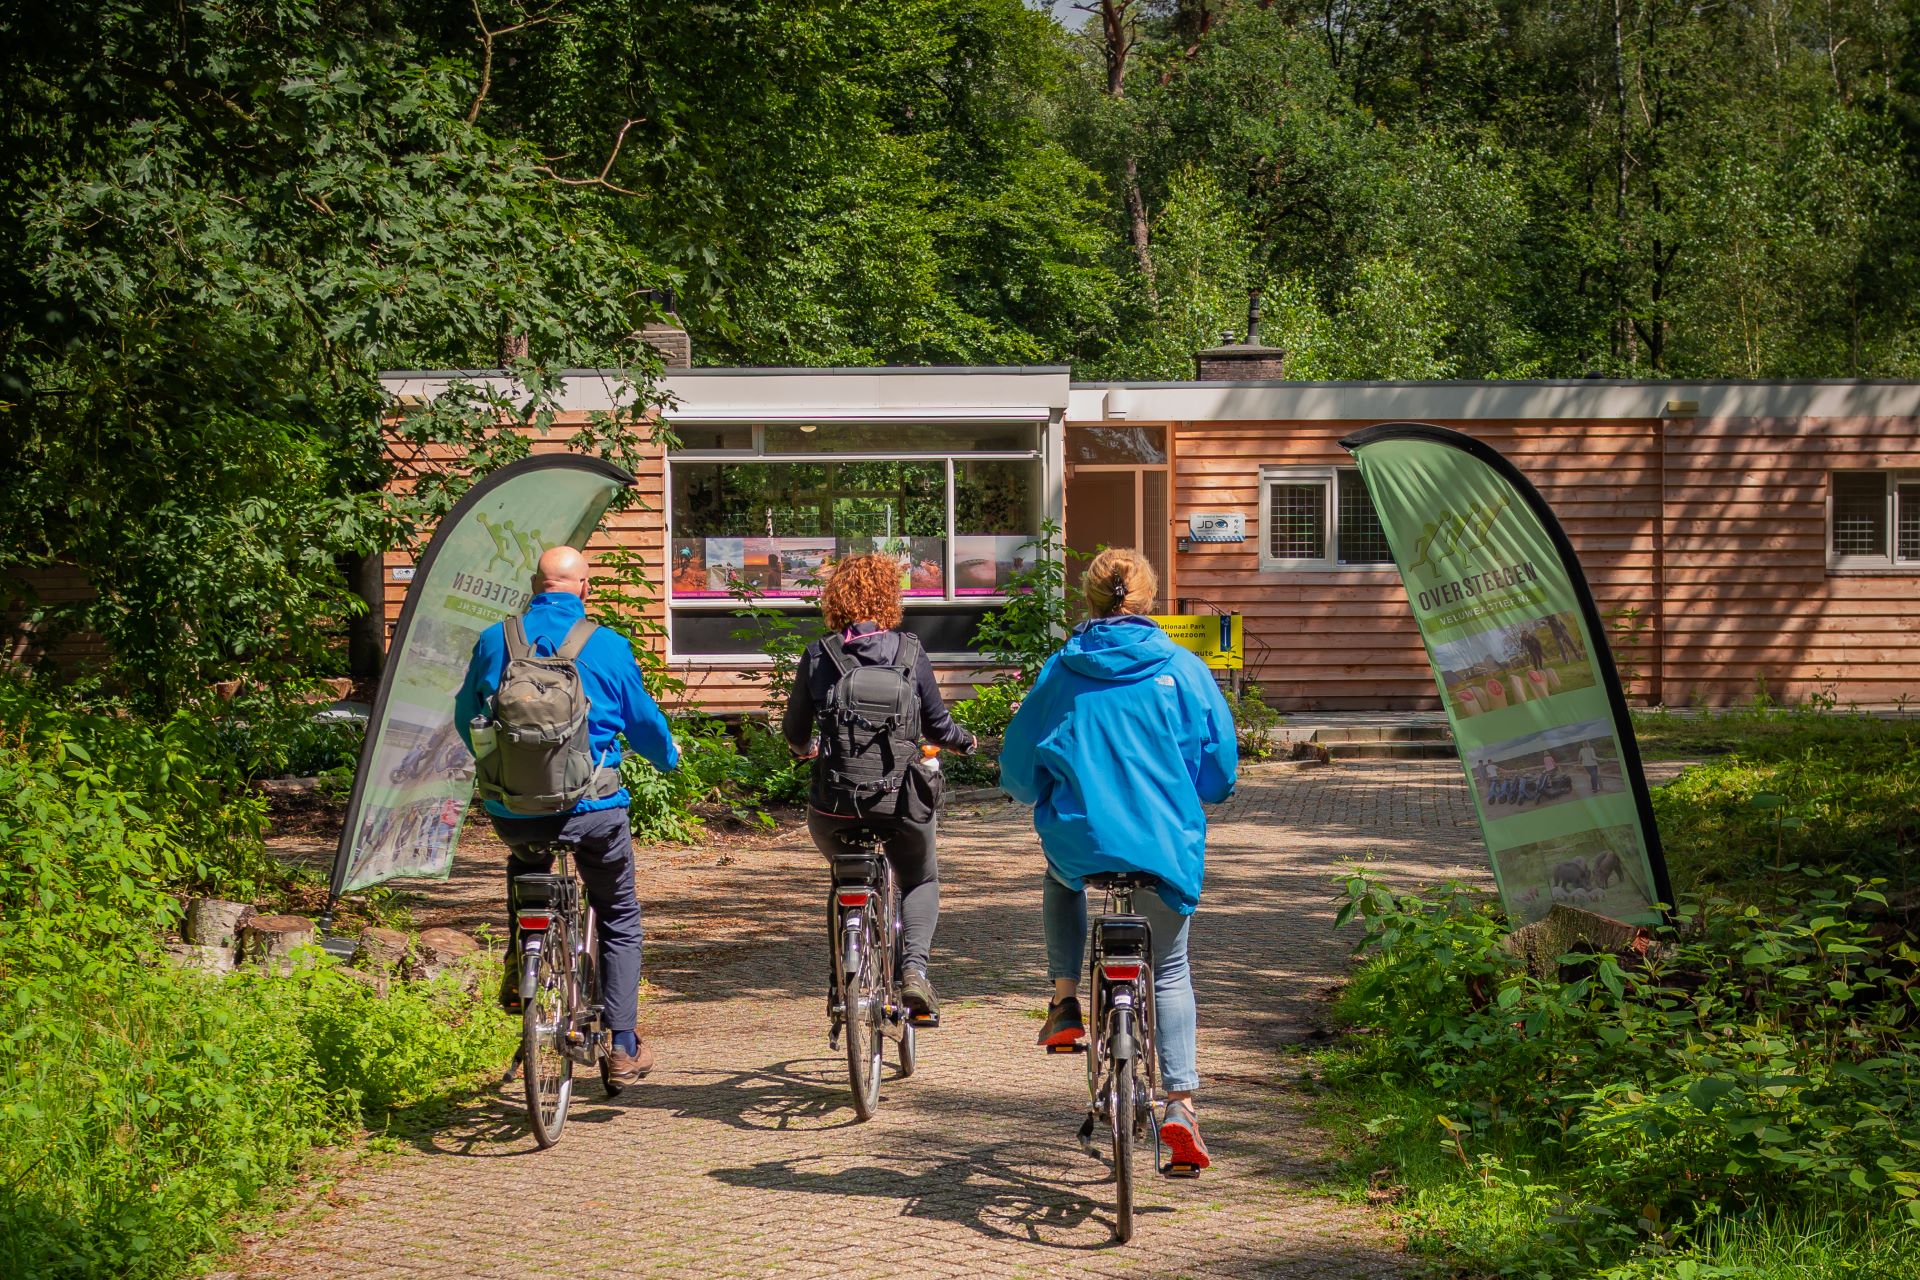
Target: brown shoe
<point x="625" y="1069"/>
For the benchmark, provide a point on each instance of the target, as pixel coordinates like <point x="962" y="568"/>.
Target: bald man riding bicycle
<point x="554" y="631"/>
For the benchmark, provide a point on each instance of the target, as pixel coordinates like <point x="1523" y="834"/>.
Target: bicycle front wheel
<point x="547" y="1069"/>
<point x="1120" y="1105"/>
<point x="866" y="1006"/>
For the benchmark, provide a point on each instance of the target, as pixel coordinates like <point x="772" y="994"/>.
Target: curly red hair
<point x="862" y="589"/>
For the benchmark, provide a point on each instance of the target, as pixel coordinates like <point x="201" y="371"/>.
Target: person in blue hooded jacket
<point x="1121" y="741"/>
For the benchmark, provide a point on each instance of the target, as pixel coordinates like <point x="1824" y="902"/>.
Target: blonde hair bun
<point x="1119" y="580"/>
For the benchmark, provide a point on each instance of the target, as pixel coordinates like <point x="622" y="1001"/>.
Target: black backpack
<point x="870" y="738"/>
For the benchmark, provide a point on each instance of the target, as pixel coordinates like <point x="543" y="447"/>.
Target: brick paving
<point x="740" y="1155"/>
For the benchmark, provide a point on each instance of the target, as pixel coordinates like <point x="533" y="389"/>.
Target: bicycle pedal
<point x="1177" y="1169"/>
<point x="1067" y="1048"/>
<point x="928" y="1020"/>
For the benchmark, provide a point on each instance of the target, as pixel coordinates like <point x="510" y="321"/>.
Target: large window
<point x="766" y="510"/>
<point x="1319" y="518"/>
<point x="1874" y="520"/>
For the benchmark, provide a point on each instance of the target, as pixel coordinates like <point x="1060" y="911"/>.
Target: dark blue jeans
<point x="602" y="854"/>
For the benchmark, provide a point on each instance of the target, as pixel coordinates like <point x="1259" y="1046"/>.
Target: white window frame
<point x="1045" y="456"/>
<point x="1328" y="478"/>
<point x="1892" y="480"/>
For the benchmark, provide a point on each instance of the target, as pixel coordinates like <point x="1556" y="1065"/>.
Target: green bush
<point x="141" y="1106"/>
<point x="1253" y="723"/>
<point x="990" y="710"/>
<point x="1765" y="1064"/>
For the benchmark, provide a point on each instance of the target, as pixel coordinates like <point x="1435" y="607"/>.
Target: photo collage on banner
<point x="415" y="778"/>
<point x="1530" y="692"/>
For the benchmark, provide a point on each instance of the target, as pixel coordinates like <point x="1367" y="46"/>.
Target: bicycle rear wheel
<point x="547" y="1069"/>
<point x="1120" y="1104"/>
<point x="866" y="1006"/>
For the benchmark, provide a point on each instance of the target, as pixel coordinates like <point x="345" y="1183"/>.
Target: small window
<point x="1319" y="518"/>
<point x="1874" y="521"/>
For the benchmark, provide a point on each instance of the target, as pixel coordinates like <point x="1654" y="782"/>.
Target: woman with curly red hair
<point x="867" y="775"/>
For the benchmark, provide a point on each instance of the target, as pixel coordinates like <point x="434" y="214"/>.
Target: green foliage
<point x="1253" y="723"/>
<point x="734" y="778"/>
<point x="1785" y="787"/>
<point x="142" y="1106"/>
<point x="988" y="712"/>
<point x="1762" y="1065"/>
<point x="1032" y="625"/>
<point x="220" y="221"/>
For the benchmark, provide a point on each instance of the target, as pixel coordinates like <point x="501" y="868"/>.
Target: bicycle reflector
<point x="1121" y="970"/>
<point x="854" y="897"/>
<point x="535" y="919"/>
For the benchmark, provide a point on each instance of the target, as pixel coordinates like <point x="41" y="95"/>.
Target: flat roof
<point x="1044" y="391"/>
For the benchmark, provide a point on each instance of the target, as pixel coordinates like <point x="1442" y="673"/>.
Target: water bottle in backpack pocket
<point x="542" y="762"/>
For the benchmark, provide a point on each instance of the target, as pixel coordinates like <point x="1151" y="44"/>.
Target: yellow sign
<point x="1218" y="638"/>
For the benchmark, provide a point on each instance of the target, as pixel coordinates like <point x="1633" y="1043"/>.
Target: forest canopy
<point x="219" y="219"/>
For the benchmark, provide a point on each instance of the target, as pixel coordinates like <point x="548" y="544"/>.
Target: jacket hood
<point x="1118" y="649"/>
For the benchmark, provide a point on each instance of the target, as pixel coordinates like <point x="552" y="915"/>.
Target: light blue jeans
<point x="1064" y="913"/>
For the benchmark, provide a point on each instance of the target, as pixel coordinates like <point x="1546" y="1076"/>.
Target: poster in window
<point x="725" y="558"/>
<point x="983" y="564"/>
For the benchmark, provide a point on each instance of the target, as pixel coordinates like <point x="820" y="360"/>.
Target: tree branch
<point x="600" y="180"/>
<point x="487" y="36"/>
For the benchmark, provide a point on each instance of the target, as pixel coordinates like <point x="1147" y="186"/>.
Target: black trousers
<point x="602" y="851"/>
<point x="909" y="847"/>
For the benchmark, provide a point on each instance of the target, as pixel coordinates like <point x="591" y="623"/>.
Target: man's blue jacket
<point x="608" y="673"/>
<point x="1123" y="738"/>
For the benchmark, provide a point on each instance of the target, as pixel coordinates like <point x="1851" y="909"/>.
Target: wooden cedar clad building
<point x="1742" y="535"/>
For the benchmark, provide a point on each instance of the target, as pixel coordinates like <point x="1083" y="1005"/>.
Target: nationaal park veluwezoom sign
<point x="1528" y="682"/>
<point x="415" y="778"/>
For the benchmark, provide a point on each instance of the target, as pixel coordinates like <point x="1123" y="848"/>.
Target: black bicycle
<point x="1123" y="1064"/>
<point x="561" y="1011"/>
<point x="864" y="934"/>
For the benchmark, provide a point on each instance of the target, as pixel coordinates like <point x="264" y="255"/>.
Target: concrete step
<point x="1428" y="749"/>
<point x="1383" y="733"/>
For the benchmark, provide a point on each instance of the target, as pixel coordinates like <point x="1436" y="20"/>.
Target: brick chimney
<point x="1242" y="361"/>
<point x="666" y="336"/>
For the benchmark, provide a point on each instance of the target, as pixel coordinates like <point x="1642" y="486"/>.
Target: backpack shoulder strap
<point x="576" y="640"/>
<point x="908" y="655"/>
<point x="518" y="650"/>
<point x="836" y="649"/>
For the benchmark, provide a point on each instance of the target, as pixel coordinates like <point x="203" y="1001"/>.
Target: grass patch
<point x="1765" y="731"/>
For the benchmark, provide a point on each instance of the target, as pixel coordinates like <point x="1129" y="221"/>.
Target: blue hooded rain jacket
<point x="1123" y="738"/>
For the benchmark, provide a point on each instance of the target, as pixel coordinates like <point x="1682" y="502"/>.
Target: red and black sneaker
<point x="1064" y="1026"/>
<point x="1180" y="1135"/>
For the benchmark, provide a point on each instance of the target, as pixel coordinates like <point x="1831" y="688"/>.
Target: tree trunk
<point x="367" y="634"/>
<point x="214" y="923"/>
<point x="206" y="959"/>
<point x="381" y="949"/>
<point x="272" y="940"/>
<point x="1116" y="31"/>
<point x="441" y="950"/>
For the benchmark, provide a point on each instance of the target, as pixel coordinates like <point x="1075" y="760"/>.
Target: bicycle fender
<point x="1124" y="1046"/>
<point x="530" y="949"/>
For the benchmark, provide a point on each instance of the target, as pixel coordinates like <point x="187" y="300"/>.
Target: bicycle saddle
<point x="1135" y="880"/>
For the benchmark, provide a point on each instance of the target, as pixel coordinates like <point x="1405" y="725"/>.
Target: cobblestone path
<point x="739" y="1155"/>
